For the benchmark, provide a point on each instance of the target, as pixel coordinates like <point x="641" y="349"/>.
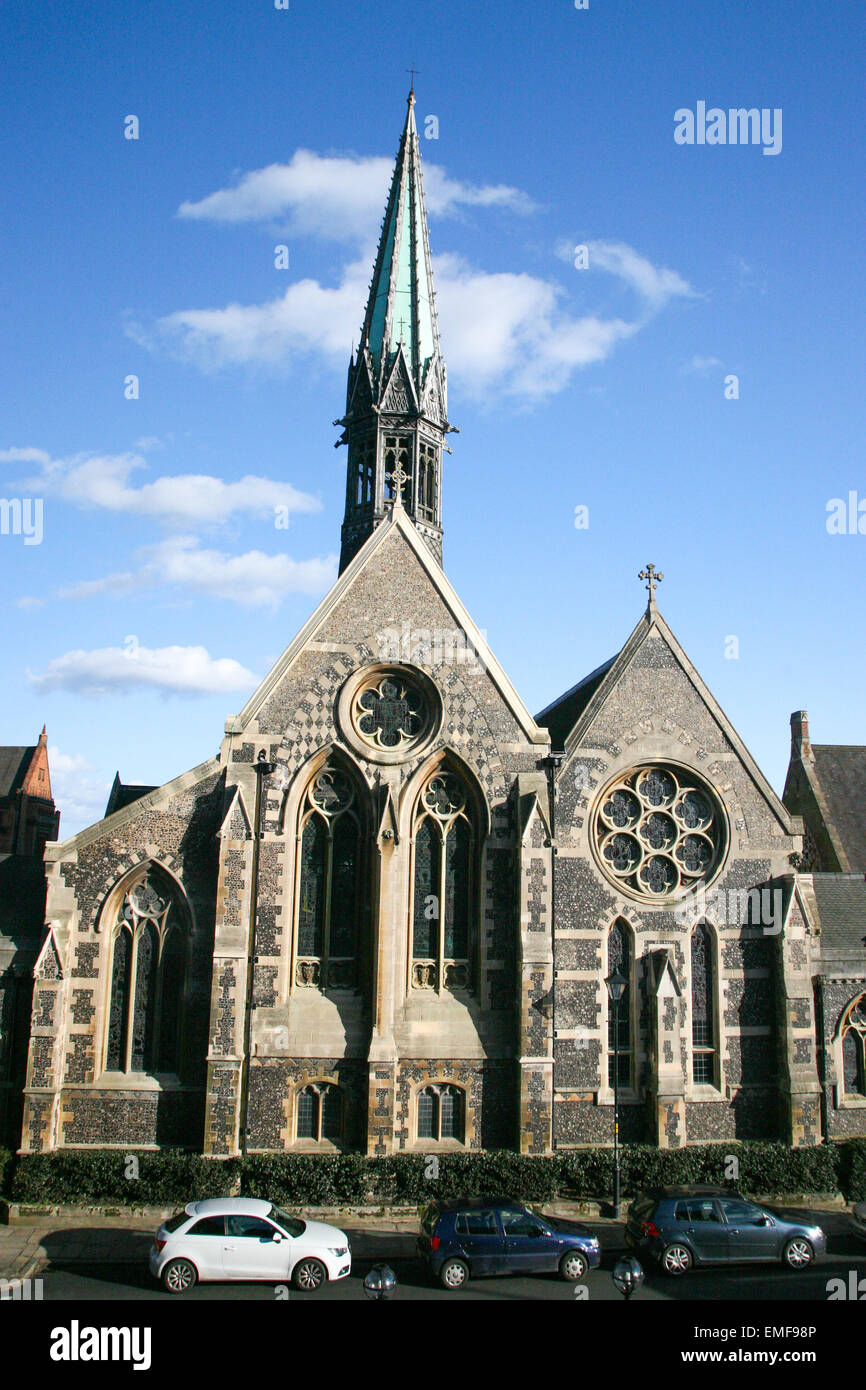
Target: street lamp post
<point x="616" y="985"/>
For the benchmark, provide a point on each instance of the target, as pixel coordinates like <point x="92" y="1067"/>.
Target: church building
<point x="382" y="917"/>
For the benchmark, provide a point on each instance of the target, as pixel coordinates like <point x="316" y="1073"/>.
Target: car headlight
<point x="339" y="1250"/>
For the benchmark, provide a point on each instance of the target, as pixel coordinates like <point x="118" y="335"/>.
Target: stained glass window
<point x="314" y="865"/>
<point x="657" y="833"/>
<point x="427" y="856"/>
<point x="703" y="1021"/>
<point x="442" y="887"/>
<point x="171" y="1000"/>
<point x="144" y="1011"/>
<point x="115" y="1059"/>
<point x="148" y="970"/>
<point x="330" y="897"/>
<point x="619" y="1033"/>
<point x="854" y="1049"/>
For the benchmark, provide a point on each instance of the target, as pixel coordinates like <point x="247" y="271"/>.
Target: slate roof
<point x="14" y="763"/>
<point x="124" y="793"/>
<point x="840" y="770"/>
<point x="841" y="900"/>
<point x="561" y="716"/>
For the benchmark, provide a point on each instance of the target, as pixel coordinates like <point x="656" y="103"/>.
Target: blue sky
<point x="162" y="589"/>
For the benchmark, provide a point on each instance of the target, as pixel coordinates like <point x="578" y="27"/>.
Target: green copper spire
<point x="400" y="308"/>
<point x="396" y="403"/>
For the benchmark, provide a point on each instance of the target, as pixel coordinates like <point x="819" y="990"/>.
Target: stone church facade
<point x="382" y="917"/>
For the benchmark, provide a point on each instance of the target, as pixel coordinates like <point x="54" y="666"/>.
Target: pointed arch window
<point x="329" y="895"/>
<point x="427" y="478"/>
<point x="149" y="948"/>
<point x="440" y="1113"/>
<point x="397" y="468"/>
<point x="704" y="1054"/>
<point x="619" y="1049"/>
<point x="854" y="1048"/>
<point x="443" y="883"/>
<point x="319" y="1113"/>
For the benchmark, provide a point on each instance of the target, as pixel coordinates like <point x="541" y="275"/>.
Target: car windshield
<point x="290" y="1224"/>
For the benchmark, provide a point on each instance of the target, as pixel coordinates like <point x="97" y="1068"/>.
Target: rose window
<point x="658" y="832"/>
<point x="390" y="712"/>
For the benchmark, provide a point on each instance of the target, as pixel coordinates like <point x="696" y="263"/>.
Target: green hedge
<point x="853" y="1169"/>
<point x="106" y="1176"/>
<point x="172" y="1178"/>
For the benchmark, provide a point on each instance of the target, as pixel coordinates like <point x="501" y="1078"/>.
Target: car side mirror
<point x="766" y="1221"/>
<point x="276" y="1237"/>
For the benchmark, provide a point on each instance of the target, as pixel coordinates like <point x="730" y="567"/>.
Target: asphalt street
<point x="756" y="1283"/>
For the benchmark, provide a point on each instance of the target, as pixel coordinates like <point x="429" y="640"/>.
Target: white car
<point x="245" y="1238"/>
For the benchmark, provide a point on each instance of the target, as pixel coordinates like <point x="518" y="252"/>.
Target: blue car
<point x="472" y="1237"/>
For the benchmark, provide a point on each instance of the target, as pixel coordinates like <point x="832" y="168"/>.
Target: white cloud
<point x="511" y="330"/>
<point x="24" y="456"/>
<point x="308" y="318"/>
<point x="173" y="670"/>
<point x="503" y="328"/>
<point x="252" y="578"/>
<point x="653" y="283"/>
<point x="701" y="365"/>
<point x="79" y="792"/>
<point x="338" y="198"/>
<point x="29" y="602"/>
<point x="183" y="499"/>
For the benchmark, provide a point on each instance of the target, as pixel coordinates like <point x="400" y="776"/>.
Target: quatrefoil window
<point x="390" y="712"/>
<point x="658" y="832"/>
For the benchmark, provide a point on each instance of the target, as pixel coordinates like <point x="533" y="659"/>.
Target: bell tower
<point x="396" y="405"/>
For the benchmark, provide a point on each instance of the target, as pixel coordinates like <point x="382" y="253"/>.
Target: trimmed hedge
<point x="100" y="1176"/>
<point x="172" y="1178"/>
<point x="853" y="1169"/>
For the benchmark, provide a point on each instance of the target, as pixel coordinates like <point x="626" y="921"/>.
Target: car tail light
<point x="158" y="1244"/>
<point x="649" y="1228"/>
<point x="434" y="1242"/>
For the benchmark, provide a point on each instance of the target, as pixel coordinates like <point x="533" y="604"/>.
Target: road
<point x="756" y="1283"/>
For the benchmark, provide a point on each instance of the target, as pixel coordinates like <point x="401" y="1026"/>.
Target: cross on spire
<point x="652" y="577"/>
<point x="412" y="71"/>
<point x="398" y="476"/>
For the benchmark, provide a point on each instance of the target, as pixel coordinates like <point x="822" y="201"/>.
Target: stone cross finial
<point x="398" y="476"/>
<point x="652" y="577"/>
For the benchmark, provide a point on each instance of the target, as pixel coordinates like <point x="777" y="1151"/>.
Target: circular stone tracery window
<point x="389" y="713"/>
<point x="659" y="832"/>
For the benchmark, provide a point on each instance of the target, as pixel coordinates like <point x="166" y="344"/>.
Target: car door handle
<point x="690" y="1230"/>
<point x="733" y="1231"/>
<point x="230" y="1247"/>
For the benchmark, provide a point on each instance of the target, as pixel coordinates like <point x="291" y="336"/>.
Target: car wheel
<point x="179" y="1276"/>
<point x="454" y="1274"/>
<point x="677" y="1259"/>
<point x="573" y="1266"/>
<point x="309" y="1275"/>
<point x="798" y="1253"/>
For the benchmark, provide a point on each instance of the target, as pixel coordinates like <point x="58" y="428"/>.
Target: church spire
<point x="396" y="406"/>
